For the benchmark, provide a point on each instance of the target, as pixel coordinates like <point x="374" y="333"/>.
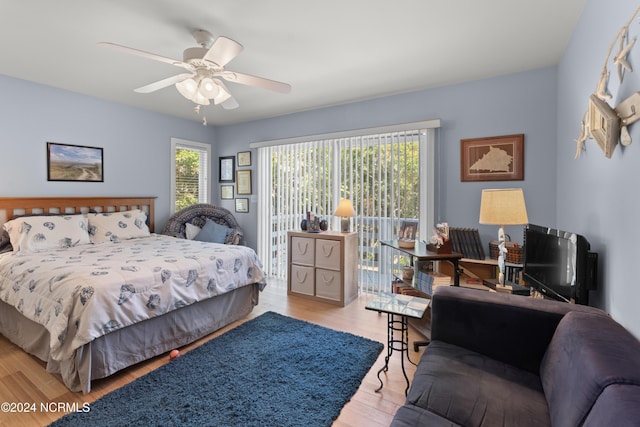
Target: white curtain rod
<point x="426" y="124"/>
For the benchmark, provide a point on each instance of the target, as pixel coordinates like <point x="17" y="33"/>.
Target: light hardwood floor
<point x="23" y="378"/>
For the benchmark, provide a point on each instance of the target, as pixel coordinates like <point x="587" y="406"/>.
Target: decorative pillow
<point x="117" y="226"/>
<point x="41" y="233"/>
<point x="191" y="231"/>
<point x="5" y="241"/>
<point x="213" y="232"/>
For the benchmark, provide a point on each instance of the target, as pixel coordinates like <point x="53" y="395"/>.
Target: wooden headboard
<point x="11" y="206"/>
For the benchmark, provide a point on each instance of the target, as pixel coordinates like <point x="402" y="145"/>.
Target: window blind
<point x="388" y="177"/>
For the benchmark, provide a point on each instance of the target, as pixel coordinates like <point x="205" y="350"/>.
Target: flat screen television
<point x="559" y="264"/>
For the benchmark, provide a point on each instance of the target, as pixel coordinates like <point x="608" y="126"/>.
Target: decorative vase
<point x="303" y="225"/>
<point x="324" y="225"/>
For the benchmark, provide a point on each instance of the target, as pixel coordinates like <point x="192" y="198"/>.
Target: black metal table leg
<point x="393" y="344"/>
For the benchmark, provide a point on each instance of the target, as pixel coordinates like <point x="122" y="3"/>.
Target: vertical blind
<point x="387" y="176"/>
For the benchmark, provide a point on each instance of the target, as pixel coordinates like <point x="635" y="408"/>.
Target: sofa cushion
<point x="471" y="389"/>
<point x="587" y="354"/>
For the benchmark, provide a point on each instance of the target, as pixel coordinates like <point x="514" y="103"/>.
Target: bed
<point x="92" y="308"/>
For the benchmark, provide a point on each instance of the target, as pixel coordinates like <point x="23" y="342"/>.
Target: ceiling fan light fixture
<point x="222" y="95"/>
<point x="199" y="98"/>
<point x="208" y="88"/>
<point x="187" y="88"/>
<point x="190" y="89"/>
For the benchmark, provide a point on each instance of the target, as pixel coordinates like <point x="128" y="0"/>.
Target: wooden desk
<point x="486" y="269"/>
<point x="419" y="252"/>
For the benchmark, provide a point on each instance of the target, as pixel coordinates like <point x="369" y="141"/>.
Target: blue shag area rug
<point x="270" y="371"/>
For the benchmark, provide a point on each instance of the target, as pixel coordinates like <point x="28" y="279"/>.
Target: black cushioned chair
<point x="197" y="215"/>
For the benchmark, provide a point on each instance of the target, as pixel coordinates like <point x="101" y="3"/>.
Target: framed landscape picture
<point x="496" y="158"/>
<point x="74" y="163"/>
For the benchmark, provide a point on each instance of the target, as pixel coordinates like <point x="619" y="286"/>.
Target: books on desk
<point x="467" y="242"/>
<point x="440" y="280"/>
<point x="407" y="289"/>
<point x="425" y="283"/>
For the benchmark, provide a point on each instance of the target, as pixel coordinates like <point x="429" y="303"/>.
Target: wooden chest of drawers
<point x="323" y="266"/>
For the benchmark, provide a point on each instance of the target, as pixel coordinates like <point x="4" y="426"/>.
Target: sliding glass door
<point x="387" y="176"/>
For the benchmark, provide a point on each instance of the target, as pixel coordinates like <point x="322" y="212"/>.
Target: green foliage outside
<point x="380" y="180"/>
<point x="307" y="173"/>
<point x="384" y="178"/>
<point x="187" y="178"/>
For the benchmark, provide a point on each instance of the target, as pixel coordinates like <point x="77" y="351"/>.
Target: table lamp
<point x="345" y="210"/>
<point x="503" y="207"/>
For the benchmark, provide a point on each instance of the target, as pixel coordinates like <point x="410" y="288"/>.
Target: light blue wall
<point x="520" y="103"/>
<point x="596" y="196"/>
<point x="136" y="143"/>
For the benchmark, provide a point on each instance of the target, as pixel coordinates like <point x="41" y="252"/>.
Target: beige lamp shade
<point x="345" y="208"/>
<point x="503" y="207"/>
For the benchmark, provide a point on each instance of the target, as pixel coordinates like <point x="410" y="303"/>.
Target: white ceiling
<point x="331" y="51"/>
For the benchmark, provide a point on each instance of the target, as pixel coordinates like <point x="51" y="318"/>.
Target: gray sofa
<point x="507" y="360"/>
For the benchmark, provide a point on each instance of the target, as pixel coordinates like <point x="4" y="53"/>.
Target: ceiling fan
<point x="203" y="82"/>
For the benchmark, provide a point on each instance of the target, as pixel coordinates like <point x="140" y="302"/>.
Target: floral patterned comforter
<point x="83" y="292"/>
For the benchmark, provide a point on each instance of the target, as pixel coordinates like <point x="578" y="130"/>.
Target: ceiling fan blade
<point x="249" y="80"/>
<point x="222" y="51"/>
<point x="147" y="55"/>
<point x="230" y="104"/>
<point x="161" y="84"/>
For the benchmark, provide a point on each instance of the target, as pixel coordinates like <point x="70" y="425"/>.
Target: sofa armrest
<point x="510" y="328"/>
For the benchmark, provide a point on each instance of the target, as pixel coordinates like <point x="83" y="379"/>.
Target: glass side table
<point x="399" y="308"/>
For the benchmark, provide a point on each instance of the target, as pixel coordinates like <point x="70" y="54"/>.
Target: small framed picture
<point x="408" y="230"/>
<point x="226" y="192"/>
<point x="243" y="182"/>
<point x="244" y="158"/>
<point x="242" y="204"/>
<point x="227" y="169"/>
<point x="74" y="163"/>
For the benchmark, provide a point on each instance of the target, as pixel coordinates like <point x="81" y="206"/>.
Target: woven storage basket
<point x="515" y="252"/>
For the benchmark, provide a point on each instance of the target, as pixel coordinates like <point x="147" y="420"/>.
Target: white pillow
<point x="191" y="231"/>
<point x="117" y="226"/>
<point x="44" y="232"/>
